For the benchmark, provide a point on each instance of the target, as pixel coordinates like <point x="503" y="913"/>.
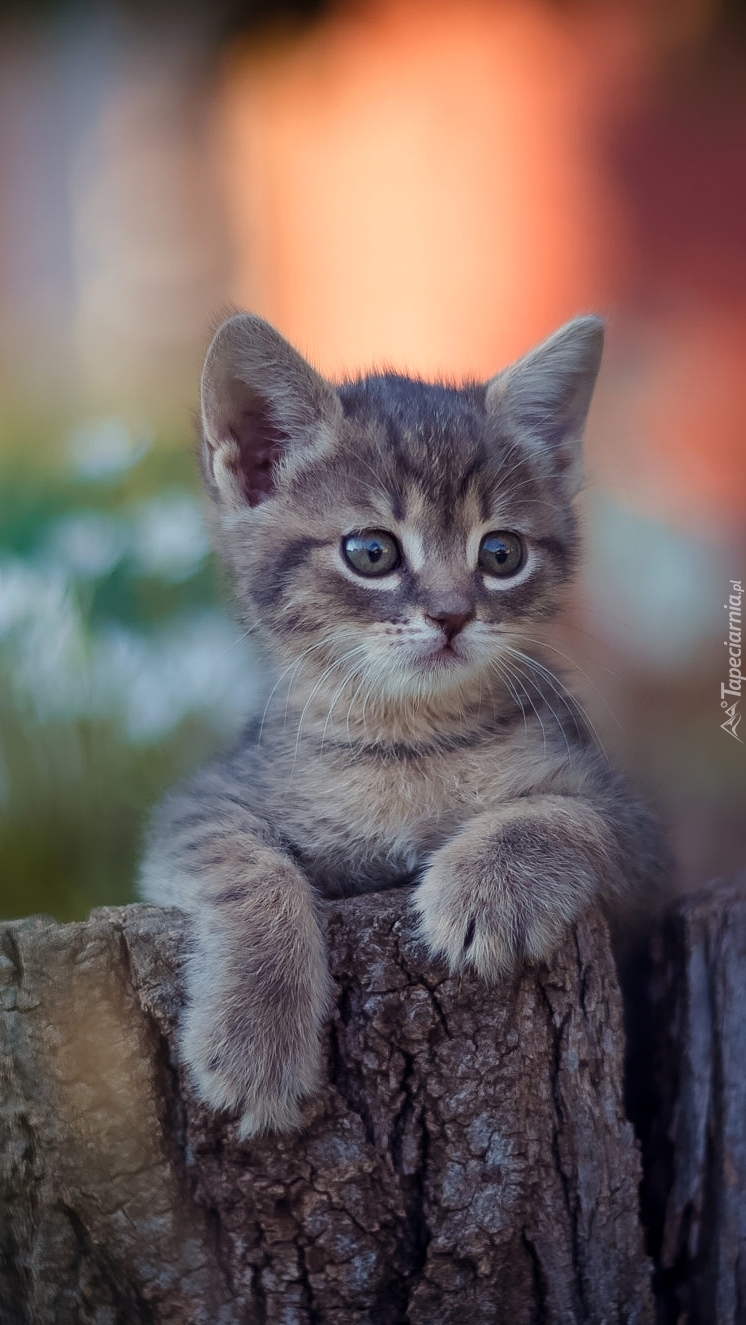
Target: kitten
<point x="395" y="546"/>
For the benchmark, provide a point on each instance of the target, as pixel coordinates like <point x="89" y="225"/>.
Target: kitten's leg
<point x="508" y="884"/>
<point x="257" y="978"/>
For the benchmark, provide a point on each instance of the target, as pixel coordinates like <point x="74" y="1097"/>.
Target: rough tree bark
<point x="695" y="1184"/>
<point x="469" y="1160"/>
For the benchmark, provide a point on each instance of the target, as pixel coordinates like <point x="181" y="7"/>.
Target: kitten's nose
<point x="451" y="622"/>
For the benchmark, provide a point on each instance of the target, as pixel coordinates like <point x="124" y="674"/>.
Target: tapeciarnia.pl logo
<point x="732" y="691"/>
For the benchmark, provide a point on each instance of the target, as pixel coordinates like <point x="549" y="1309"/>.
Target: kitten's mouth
<point x="444" y="654"/>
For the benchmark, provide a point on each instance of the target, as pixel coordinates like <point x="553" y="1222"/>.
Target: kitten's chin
<point x="437" y="671"/>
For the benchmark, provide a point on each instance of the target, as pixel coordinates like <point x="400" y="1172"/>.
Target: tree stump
<point x="695" y="1188"/>
<point x="470" y="1158"/>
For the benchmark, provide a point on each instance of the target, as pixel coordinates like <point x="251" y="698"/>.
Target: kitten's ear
<point x="260" y="399"/>
<point x="546" y="394"/>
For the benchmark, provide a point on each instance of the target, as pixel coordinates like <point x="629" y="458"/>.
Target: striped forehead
<point x="441" y="488"/>
<point x="432" y="514"/>
<point x="424" y="461"/>
<point x="436" y="527"/>
<point x="426" y="476"/>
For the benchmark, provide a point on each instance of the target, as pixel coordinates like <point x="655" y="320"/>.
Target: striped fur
<point x="411" y="728"/>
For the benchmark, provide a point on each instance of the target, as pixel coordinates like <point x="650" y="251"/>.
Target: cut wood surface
<point x="469" y="1160"/>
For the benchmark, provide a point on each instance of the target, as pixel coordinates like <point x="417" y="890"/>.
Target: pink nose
<point x="451" y="622"/>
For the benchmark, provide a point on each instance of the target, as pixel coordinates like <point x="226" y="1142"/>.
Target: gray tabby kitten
<point x="394" y="546"/>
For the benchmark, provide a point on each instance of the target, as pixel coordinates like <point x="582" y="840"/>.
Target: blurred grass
<point x="75" y="803"/>
<point x="76" y="788"/>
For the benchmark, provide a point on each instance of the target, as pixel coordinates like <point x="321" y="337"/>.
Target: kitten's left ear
<point x="261" y="402"/>
<point x="546" y="394"/>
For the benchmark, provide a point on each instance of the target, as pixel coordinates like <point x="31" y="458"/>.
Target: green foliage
<point x="74" y="808"/>
<point x="99" y="609"/>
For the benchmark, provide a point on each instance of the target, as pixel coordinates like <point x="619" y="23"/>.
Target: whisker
<point x="513" y="449"/>
<point x="379" y="488"/>
<point x="345" y="682"/>
<point x="571" y="627"/>
<point x="506" y="679"/>
<point x="583" y="673"/>
<point x="352" y="701"/>
<point x="359" y="648"/>
<point x="554" y="681"/>
<point x="244" y="635"/>
<point x="291" y="667"/>
<point x="530" y="680"/>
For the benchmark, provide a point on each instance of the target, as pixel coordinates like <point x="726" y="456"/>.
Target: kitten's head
<point x="395" y="535"/>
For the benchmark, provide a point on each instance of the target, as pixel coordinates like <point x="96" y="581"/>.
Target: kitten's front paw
<point x="461" y="923"/>
<point x="259" y="1062"/>
<point x="490" y="900"/>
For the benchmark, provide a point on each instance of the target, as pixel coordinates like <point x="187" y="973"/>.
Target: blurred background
<point x="432" y="186"/>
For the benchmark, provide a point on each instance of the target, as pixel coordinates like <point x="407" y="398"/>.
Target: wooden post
<point x="469" y="1161"/>
<point x="695" y="1182"/>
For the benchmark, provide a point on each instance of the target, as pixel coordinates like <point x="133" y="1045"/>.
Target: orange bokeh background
<point x="436" y="186"/>
<point x="418" y="187"/>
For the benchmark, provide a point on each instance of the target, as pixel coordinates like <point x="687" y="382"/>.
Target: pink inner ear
<point x="261" y="443"/>
<point x="258" y="480"/>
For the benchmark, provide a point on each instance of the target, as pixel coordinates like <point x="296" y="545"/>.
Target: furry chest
<point x="398" y="809"/>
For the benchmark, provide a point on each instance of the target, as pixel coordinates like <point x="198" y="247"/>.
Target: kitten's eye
<point x="500" y="553"/>
<point x="371" y="553"/>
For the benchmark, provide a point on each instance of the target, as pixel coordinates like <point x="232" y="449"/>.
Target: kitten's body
<point x="411" y="729"/>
